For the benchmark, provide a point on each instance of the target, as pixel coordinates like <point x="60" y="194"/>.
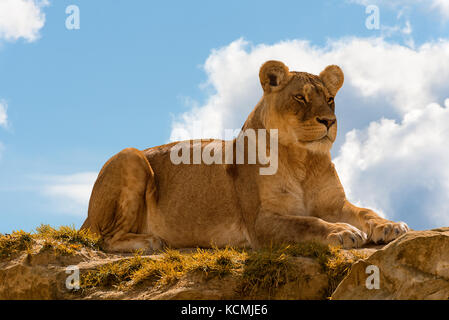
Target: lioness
<point x="142" y="200"/>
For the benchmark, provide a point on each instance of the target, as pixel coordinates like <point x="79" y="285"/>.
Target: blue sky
<point x="126" y="78"/>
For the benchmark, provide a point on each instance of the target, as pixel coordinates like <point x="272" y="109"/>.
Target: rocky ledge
<point x="46" y="265"/>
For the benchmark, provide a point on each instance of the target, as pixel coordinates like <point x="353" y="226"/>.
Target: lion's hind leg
<point x="118" y="208"/>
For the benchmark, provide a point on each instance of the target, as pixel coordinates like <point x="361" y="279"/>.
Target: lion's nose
<point x="326" y="121"/>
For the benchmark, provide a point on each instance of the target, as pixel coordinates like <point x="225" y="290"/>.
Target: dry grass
<point x="267" y="269"/>
<point x="167" y="269"/>
<point x="60" y="248"/>
<point x="337" y="266"/>
<point x="271" y="268"/>
<point x="14" y="243"/>
<point x="68" y="235"/>
<point x="113" y="274"/>
<point x="62" y="241"/>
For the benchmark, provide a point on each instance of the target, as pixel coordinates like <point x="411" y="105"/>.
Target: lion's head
<point x="301" y="105"/>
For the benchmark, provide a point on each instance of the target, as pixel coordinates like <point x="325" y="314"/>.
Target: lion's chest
<point x="284" y="194"/>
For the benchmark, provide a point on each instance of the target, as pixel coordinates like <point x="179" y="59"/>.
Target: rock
<point x="415" y="266"/>
<point x="41" y="274"/>
<point x="311" y="284"/>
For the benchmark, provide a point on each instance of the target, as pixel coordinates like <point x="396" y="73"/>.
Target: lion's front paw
<point x="347" y="236"/>
<point x="387" y="231"/>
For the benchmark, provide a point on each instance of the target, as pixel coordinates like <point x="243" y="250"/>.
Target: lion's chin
<point x="321" y="145"/>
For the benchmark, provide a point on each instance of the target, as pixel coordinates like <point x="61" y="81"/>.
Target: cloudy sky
<point x="140" y="73"/>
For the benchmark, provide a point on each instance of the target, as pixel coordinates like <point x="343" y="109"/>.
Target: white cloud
<point x="382" y="80"/>
<point x="3" y="114"/>
<point x="442" y="6"/>
<point x="21" y="19"/>
<point x="401" y="167"/>
<point x="69" y="193"/>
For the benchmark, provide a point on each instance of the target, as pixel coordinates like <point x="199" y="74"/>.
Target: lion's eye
<point x="330" y="100"/>
<point x="299" y="98"/>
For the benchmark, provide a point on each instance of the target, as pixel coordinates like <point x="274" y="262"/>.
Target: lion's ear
<point x="333" y="78"/>
<point x="273" y="74"/>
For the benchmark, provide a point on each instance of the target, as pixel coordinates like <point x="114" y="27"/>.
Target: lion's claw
<point x="386" y="232"/>
<point x="346" y="236"/>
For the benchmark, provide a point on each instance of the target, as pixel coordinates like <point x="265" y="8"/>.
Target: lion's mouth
<point x="314" y="136"/>
<point x="325" y="139"/>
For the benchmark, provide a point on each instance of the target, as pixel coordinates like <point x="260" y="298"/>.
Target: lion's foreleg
<point x="271" y="228"/>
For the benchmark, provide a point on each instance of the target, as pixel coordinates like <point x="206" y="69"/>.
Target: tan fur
<point x="141" y="200"/>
